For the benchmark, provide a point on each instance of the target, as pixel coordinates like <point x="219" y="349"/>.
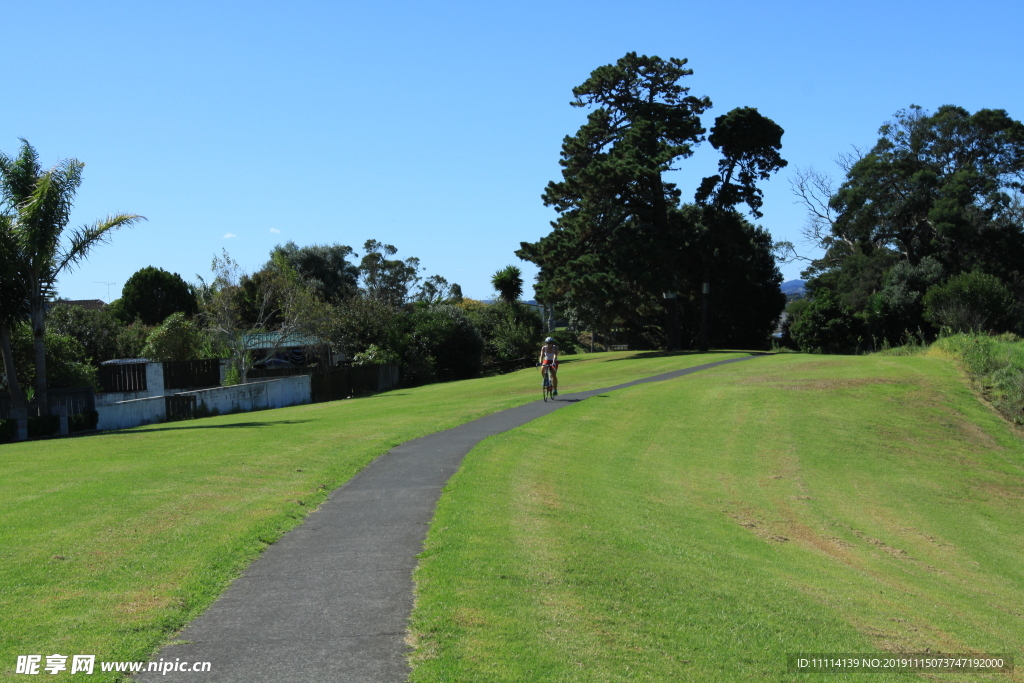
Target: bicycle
<point x="547" y="388"/>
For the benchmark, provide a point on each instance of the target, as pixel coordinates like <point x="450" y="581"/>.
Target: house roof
<point x="87" y="304"/>
<point x="274" y="340"/>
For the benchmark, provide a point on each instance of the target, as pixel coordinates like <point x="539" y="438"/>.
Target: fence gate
<point x="191" y="374"/>
<point x="180" y="407"/>
<point x="123" y="377"/>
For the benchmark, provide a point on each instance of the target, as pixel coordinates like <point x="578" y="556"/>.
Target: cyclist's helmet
<point x="550" y="339"/>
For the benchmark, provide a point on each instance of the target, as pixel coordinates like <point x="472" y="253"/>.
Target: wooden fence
<point x="180" y="407"/>
<point x="78" y="401"/>
<point x="123" y="377"/>
<point x="191" y="374"/>
<point x="332" y="384"/>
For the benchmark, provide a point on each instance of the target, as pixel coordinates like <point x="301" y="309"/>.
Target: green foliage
<point x="152" y="294"/>
<point x="898" y="310"/>
<point x="749" y="144"/>
<point x="443" y="344"/>
<point x="178" y="338"/>
<point x="98" y="331"/>
<point x="736" y="258"/>
<point x="972" y="302"/>
<point x="937" y="195"/>
<point x="274" y="300"/>
<point x="825" y="326"/>
<point x="37" y="206"/>
<point x="995" y="364"/>
<point x="567" y="342"/>
<point x="620" y="240"/>
<point x="43" y="425"/>
<point x="375" y="355"/>
<point x="232" y="376"/>
<point x="938" y="184"/>
<point x="131" y="340"/>
<point x="435" y="290"/>
<point x="324" y="268"/>
<point x="67" y="360"/>
<point x="387" y="280"/>
<point x="510" y="331"/>
<point x="508" y="283"/>
<point x="7" y="430"/>
<point x="81" y="422"/>
<point x="361" y="321"/>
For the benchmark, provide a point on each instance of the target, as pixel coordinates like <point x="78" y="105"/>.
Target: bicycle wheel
<point x="545" y="387"/>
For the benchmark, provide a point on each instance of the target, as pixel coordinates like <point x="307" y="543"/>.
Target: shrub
<point x="825" y="326"/>
<point x="565" y="340"/>
<point x="82" y="422"/>
<point x="7" y="429"/>
<point x="510" y="331"/>
<point x="443" y="344"/>
<point x="178" y="338"/>
<point x="971" y="302"/>
<point x="43" y="425"/>
<point x="375" y="355"/>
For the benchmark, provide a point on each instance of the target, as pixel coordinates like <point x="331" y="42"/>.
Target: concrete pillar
<point x="155" y="379"/>
<point x="21" y="430"/>
<point x="62" y="413"/>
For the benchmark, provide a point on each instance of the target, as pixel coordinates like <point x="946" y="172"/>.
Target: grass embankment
<point x="702" y="528"/>
<point x="995" y="364"/>
<point x="110" y="542"/>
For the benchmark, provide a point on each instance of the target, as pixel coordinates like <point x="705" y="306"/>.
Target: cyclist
<point x="549" y="358"/>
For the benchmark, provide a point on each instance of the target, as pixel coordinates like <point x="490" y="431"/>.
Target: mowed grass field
<point x="111" y="542"/>
<point x="701" y="529"/>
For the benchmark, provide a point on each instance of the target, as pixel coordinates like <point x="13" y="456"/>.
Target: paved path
<point x="330" y="601"/>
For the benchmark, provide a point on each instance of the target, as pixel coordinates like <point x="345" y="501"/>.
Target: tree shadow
<point x="669" y="354"/>
<point x="186" y="424"/>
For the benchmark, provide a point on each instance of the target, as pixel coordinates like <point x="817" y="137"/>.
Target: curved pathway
<point x="330" y="601"/>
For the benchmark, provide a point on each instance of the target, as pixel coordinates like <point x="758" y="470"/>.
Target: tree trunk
<point x="673" y="324"/>
<point x="702" y="342"/>
<point x="13" y="385"/>
<point x="39" y="346"/>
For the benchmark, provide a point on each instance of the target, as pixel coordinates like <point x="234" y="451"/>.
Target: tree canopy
<point x="621" y="249"/>
<point x="151" y="294"/>
<point x="325" y="268"/>
<point x="937" y="196"/>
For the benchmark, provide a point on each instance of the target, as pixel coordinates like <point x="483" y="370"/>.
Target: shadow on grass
<point x="669" y="354"/>
<point x="187" y="424"/>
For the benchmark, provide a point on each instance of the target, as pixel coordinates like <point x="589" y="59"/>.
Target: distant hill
<point x="794" y="289"/>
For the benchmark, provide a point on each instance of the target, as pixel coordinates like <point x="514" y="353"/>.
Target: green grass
<point x="700" y="529"/>
<point x="111" y="542"/>
<point x="995" y="364"/>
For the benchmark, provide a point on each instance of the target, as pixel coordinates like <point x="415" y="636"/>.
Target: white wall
<point x="269" y="393"/>
<point x="139" y="411"/>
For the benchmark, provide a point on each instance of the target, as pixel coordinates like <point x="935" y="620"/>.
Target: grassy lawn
<point x="111" y="542"/>
<point x="700" y="529"/>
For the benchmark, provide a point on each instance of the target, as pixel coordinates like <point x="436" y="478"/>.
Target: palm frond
<point x="86" y="237"/>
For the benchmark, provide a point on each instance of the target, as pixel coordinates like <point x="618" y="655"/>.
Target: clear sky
<point x="436" y="126"/>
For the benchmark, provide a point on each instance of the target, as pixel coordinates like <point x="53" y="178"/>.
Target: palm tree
<point x="508" y="282"/>
<point x="39" y="204"/>
<point x="13" y="306"/>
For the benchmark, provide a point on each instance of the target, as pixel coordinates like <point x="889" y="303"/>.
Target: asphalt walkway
<point x="330" y="601"/>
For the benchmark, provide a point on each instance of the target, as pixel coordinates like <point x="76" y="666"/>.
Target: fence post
<point x="62" y="413"/>
<point x="21" y="418"/>
<point x="155" y="379"/>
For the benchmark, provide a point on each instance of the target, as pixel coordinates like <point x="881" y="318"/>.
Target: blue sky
<point x="436" y="126"/>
